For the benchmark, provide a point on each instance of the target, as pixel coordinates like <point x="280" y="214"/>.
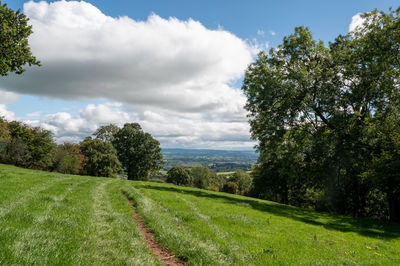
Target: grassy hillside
<point x="50" y="218"/>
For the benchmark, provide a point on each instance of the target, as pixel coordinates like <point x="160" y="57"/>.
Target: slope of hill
<point x="48" y="218"/>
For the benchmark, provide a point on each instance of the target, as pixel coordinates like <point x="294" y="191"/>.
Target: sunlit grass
<point x="54" y="219"/>
<point x="217" y="228"/>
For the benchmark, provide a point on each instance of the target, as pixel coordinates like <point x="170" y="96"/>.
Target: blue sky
<point x="180" y="101"/>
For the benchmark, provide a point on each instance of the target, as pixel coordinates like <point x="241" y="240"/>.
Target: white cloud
<point x="168" y="63"/>
<point x="170" y="130"/>
<point x="173" y="77"/>
<point x="8" y="115"/>
<point x="7" y="97"/>
<point x="33" y="114"/>
<point x="260" y="33"/>
<point x="356" y="21"/>
<point x="273" y="33"/>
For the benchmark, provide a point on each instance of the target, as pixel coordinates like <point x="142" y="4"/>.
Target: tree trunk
<point x="394" y="208"/>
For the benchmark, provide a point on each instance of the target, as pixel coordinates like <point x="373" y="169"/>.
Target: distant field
<point x="48" y="218"/>
<point x="216" y="160"/>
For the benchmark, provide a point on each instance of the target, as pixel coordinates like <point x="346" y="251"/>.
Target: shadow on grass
<point x="362" y="226"/>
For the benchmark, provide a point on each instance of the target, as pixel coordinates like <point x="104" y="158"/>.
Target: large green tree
<point x="100" y="158"/>
<point x="107" y="132"/>
<point x="139" y="153"/>
<point x="320" y="107"/>
<point x="15" y="53"/>
<point x="179" y="176"/>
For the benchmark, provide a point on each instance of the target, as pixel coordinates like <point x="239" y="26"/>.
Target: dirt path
<point x="164" y="254"/>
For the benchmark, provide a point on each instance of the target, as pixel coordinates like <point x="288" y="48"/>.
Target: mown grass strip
<point x="159" y="251"/>
<point x="257" y="232"/>
<point x="68" y="220"/>
<point x="171" y="231"/>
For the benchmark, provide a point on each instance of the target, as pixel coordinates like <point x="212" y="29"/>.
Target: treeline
<point x="113" y="151"/>
<point x="239" y="182"/>
<point x="327" y="120"/>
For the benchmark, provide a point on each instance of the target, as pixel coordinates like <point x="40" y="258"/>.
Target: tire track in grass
<point x="159" y="251"/>
<point x="170" y="229"/>
<point x="115" y="237"/>
<point x="223" y="236"/>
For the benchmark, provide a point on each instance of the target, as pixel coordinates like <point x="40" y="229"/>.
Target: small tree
<point x="230" y="187"/>
<point x="139" y="153"/>
<point x="100" y="158"/>
<point x="14" y="32"/>
<point x="68" y="159"/>
<point x="179" y="176"/>
<point x="204" y="177"/>
<point x="43" y="149"/>
<point x="243" y="180"/>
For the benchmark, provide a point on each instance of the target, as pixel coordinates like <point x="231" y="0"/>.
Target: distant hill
<point x="217" y="160"/>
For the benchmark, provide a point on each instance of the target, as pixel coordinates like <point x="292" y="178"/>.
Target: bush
<point x="68" y="159"/>
<point x="230" y="187"/>
<point x="179" y="176"/>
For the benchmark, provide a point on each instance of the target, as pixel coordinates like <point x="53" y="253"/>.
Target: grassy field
<point x="48" y="218"/>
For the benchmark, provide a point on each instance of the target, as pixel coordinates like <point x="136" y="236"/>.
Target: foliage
<point x="231" y="187"/>
<point x="43" y="149"/>
<point x="68" y="159"/>
<point x="317" y="112"/>
<point x="100" y="158"/>
<point x="206" y="178"/>
<point x="14" y="33"/>
<point x="28" y="147"/>
<point x="179" y="176"/>
<point x="4" y="138"/>
<point x="106" y="133"/>
<point x="139" y="152"/>
<point x="243" y="181"/>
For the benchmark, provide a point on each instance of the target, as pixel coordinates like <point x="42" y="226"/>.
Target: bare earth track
<point x="162" y="253"/>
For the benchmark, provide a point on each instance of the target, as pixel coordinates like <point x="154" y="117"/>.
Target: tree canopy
<point x="100" y="158"/>
<point x="319" y="114"/>
<point x="106" y="133"/>
<point x="179" y="176"/>
<point x="14" y="32"/>
<point x="139" y="153"/>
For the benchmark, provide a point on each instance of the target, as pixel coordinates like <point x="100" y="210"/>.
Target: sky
<point x="174" y="66"/>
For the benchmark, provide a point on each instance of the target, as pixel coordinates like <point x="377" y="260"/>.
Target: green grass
<point x="48" y="218"/>
<point x="54" y="219"/>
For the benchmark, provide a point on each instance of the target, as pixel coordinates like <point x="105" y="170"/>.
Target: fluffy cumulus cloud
<point x="169" y="129"/>
<point x="169" y="63"/>
<point x="178" y="72"/>
<point x="356" y="21"/>
<point x="6" y="98"/>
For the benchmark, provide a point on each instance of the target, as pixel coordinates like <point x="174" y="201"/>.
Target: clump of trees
<point x="327" y="119"/>
<point x="131" y="151"/>
<point x="239" y="182"/>
<point x="26" y="146"/>
<point x="68" y="159"/>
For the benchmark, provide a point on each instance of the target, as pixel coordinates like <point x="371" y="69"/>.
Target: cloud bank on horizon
<point x="174" y="77"/>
